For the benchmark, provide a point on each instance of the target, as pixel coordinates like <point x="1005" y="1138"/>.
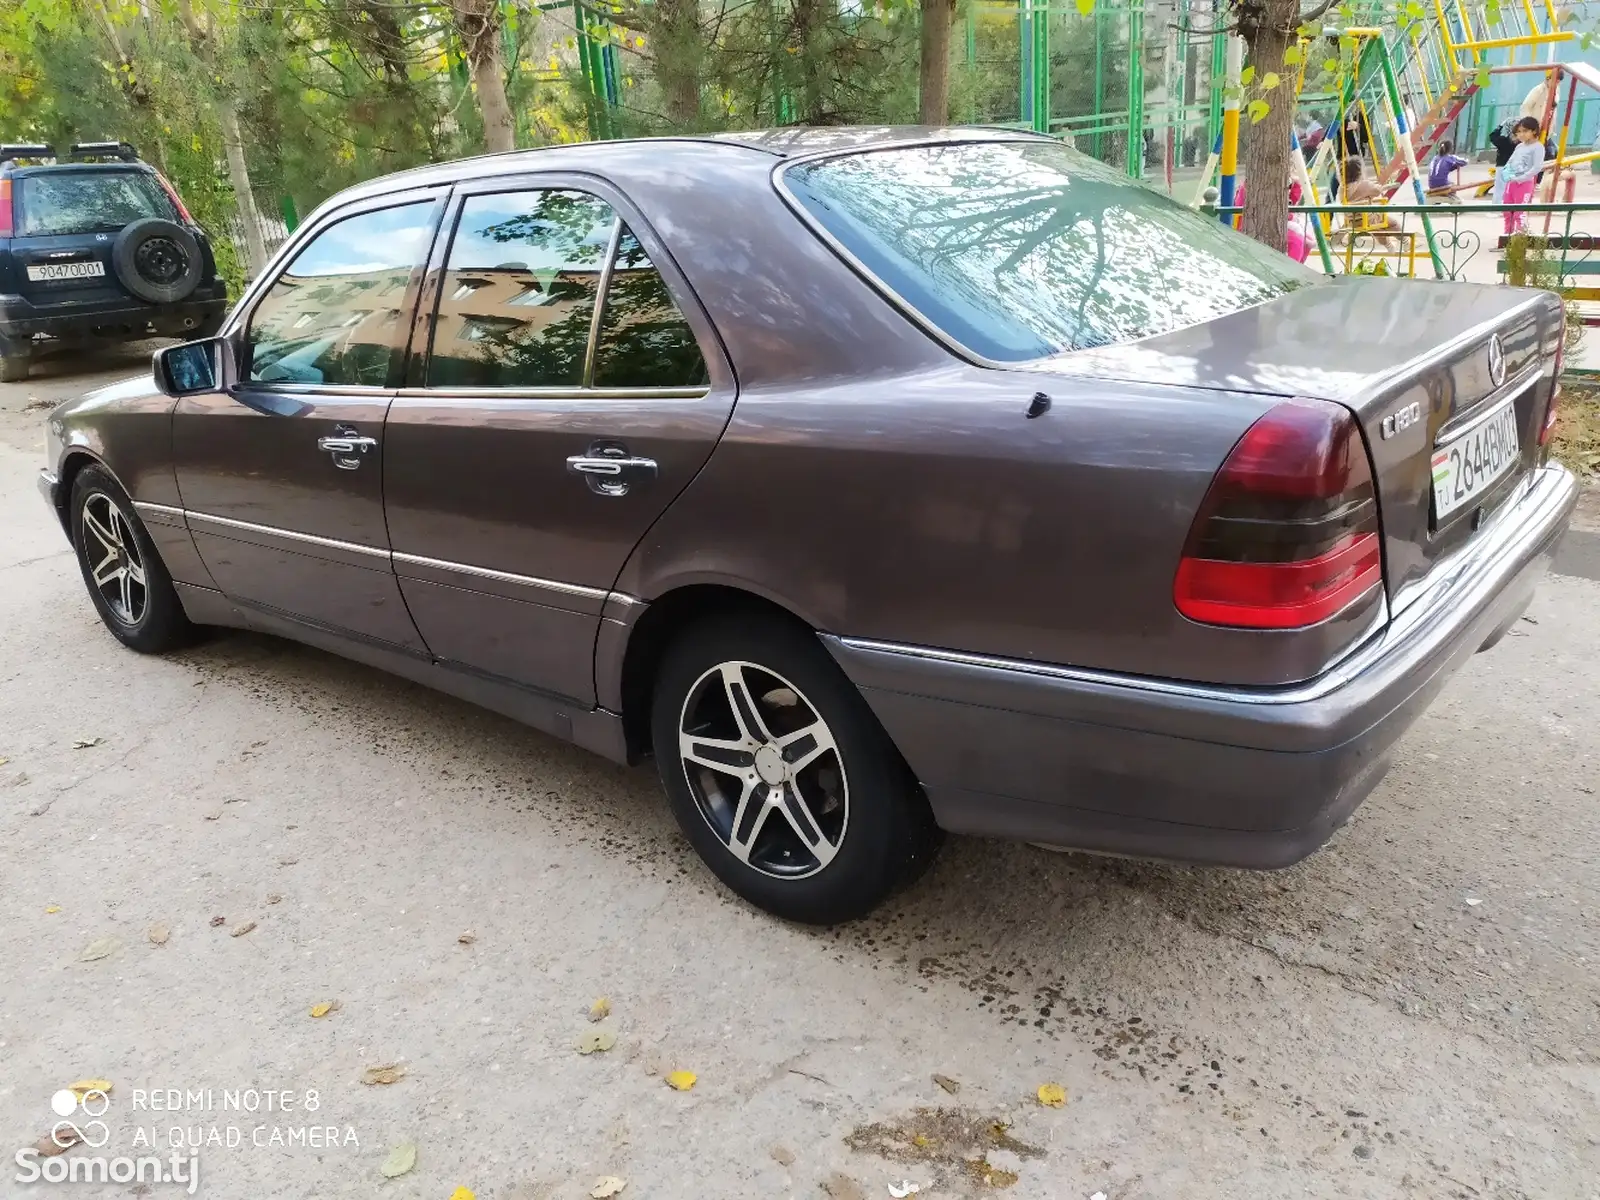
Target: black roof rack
<point x="121" y="150"/>
<point x="11" y="151"/>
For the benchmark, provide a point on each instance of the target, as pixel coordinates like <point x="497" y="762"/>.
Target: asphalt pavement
<point x="199" y="852"/>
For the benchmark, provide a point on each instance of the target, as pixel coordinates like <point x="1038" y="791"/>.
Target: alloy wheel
<point x="764" y="770"/>
<point x="112" y="553"/>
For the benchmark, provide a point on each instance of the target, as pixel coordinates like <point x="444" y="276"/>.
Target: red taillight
<point x="5" y="208"/>
<point x="1288" y="533"/>
<point x="172" y="194"/>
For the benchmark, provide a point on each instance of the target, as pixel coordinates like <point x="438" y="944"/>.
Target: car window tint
<point x="519" y="290"/>
<point x="334" y="315"/>
<point x="644" y="340"/>
<point x="1023" y="249"/>
<point x="65" y="202"/>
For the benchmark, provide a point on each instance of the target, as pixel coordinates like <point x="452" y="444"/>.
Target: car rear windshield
<point x="1021" y="249"/>
<point x="64" y="202"/>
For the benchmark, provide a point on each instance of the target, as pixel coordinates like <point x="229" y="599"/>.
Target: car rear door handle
<point x="347" y="446"/>
<point x="611" y="470"/>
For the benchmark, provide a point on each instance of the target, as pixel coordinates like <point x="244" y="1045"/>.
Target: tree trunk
<point x="1266" y="157"/>
<point x="678" y="51"/>
<point x="938" y="16"/>
<point x="478" y="23"/>
<point x="239" y="177"/>
<point x="810" y="18"/>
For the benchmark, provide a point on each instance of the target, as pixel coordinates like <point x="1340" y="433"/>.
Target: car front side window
<point x="334" y="317"/>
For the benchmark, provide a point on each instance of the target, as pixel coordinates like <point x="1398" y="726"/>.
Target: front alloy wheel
<point x="115" y="564"/>
<point x="764" y="770"/>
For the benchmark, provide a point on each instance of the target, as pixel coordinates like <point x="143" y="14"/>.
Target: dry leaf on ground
<point x="598" y="1039"/>
<point x="3" y="760"/>
<point x="99" y="948"/>
<point x="87" y="743"/>
<point x="326" y="1007"/>
<point x="287" y="862"/>
<point x="274" y="898"/>
<point x="600" y="1009"/>
<point x="842" y="1187"/>
<point x="48" y="1147"/>
<point x="85" y="1086"/>
<point x="52" y="908"/>
<point x="393" y="1073"/>
<point x="214" y="816"/>
<point x="401" y="1159"/>
<point x="158" y="935"/>
<point x="782" y="1155"/>
<point x="681" y="1081"/>
<point x="218" y="921"/>
<point x="467" y="938"/>
<point x="609" y="1185"/>
<point x="463" y="1193"/>
<point x="948" y="1084"/>
<point x="1052" y="1095"/>
<point x="241" y="930"/>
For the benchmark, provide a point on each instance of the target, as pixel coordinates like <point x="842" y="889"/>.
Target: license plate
<point x="1466" y="467"/>
<point x="45" y="272"/>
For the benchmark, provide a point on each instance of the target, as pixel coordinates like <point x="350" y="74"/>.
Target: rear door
<point x="66" y="220"/>
<point x="282" y="477"/>
<point x="570" y="388"/>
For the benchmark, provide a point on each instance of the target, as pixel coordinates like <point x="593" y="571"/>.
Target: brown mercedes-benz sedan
<point x="877" y="482"/>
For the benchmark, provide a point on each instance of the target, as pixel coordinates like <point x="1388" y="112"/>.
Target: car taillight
<point x="172" y="194"/>
<point x="1287" y="534"/>
<point x="5" y="208"/>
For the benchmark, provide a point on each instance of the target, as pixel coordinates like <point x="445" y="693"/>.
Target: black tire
<point x="146" y="617"/>
<point x="871" y="820"/>
<point x="157" y="260"/>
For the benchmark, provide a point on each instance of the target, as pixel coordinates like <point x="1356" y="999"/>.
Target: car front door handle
<point x="611" y="470"/>
<point x="347" y="446"/>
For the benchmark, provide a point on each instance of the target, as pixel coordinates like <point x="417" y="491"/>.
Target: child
<point x="1298" y="239"/>
<point x="1514" y="183"/>
<point x="1446" y="162"/>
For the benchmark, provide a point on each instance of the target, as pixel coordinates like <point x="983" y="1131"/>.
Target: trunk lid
<point x="1426" y="368"/>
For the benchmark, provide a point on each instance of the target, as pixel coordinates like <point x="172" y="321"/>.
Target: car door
<point x="569" y="388"/>
<point x="282" y="476"/>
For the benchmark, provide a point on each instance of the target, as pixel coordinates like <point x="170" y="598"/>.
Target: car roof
<point x="79" y="167"/>
<point x="783" y="143"/>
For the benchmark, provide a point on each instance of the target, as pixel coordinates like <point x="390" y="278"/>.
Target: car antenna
<point x="1038" y="406"/>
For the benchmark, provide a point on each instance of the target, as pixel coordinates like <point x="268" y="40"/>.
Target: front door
<point x="570" y="389"/>
<point x="282" y="478"/>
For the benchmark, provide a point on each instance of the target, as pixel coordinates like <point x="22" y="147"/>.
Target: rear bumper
<point x="1250" y="777"/>
<point x="20" y="319"/>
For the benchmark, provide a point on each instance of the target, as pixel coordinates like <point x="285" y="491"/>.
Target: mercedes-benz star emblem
<point x="1497" y="361"/>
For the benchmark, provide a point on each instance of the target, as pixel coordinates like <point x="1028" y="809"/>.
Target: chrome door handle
<point x="611" y="470"/>
<point x="347" y="447"/>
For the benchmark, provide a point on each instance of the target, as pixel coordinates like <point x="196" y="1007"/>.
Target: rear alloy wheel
<point x="779" y="774"/>
<point x="126" y="579"/>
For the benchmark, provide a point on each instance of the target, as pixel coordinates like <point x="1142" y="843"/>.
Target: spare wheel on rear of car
<point x="157" y="260"/>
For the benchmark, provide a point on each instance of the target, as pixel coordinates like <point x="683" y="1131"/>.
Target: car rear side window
<point x="644" y="340"/>
<point x="59" y="203"/>
<point x="1021" y="249"/>
<point x="334" y="316"/>
<point x="517" y="301"/>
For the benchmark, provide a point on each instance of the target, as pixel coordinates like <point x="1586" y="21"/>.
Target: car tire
<point x="157" y="260"/>
<point x="126" y="578"/>
<point x="793" y="795"/>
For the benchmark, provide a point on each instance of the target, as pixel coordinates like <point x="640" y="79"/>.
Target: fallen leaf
<point x="1052" y="1095"/>
<point x="214" y="816"/>
<point x="287" y="862"/>
<point x="600" y="1009"/>
<point x="84" y="1086"/>
<point x="782" y="1155"/>
<point x="274" y="898"/>
<point x="681" y="1081"/>
<point x="99" y="948"/>
<point x="600" y="1039"/>
<point x="609" y="1185"/>
<point x="49" y="1147"/>
<point x="462" y="1193"/>
<point x="158" y="935"/>
<point x="922" y="1141"/>
<point x="87" y="743"/>
<point x="216" y="921"/>
<point x="393" y="1073"/>
<point x="53" y="908"/>
<point x="467" y="938"/>
<point x="1473" y="901"/>
<point x="948" y="1084"/>
<point x="241" y="930"/>
<point x="3" y="760"/>
<point x="842" y="1187"/>
<point x="326" y="1007"/>
<point x="401" y="1159"/>
<point x="903" y="1189"/>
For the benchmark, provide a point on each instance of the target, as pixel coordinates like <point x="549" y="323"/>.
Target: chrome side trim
<point x="522" y="395"/>
<point x="623" y="599"/>
<point x="1460" y="580"/>
<point x="549" y="585"/>
<point x="287" y="534"/>
<point x="165" y="510"/>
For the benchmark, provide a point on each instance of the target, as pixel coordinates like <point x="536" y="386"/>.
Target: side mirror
<point x="194" y="367"/>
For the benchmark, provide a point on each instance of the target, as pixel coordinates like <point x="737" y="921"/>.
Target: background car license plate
<point x="1465" y="467"/>
<point x="72" y="270"/>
